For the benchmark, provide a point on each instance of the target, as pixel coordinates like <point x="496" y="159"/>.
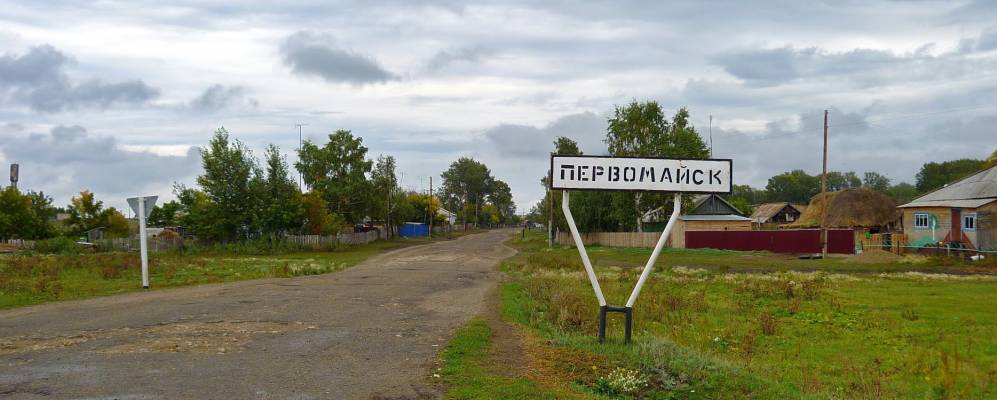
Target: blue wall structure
<point x="414" y="229"/>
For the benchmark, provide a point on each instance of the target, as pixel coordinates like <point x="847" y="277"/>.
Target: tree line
<point x="239" y="197"/>
<point x="642" y="129"/>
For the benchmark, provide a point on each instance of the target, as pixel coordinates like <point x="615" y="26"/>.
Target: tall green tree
<point x="338" y="171"/>
<point x="501" y="197"/>
<point x="640" y="129"/>
<point x="229" y="172"/>
<point x="384" y="183"/>
<point x="795" y="186"/>
<point x="465" y="184"/>
<point x="165" y="214"/>
<point x="934" y="175"/>
<point x="841" y="180"/>
<point x="902" y="192"/>
<point x="281" y="208"/>
<point x="876" y="181"/>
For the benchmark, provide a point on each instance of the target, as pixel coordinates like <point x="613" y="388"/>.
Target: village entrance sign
<point x="636" y="175"/>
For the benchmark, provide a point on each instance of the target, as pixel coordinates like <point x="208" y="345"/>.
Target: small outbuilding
<point x="960" y="214"/>
<point x="709" y="212"/>
<point x="774" y="215"/>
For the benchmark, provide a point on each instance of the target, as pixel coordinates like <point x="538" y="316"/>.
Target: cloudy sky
<point x="114" y="96"/>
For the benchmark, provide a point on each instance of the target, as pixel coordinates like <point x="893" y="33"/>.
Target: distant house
<point x="963" y="213"/>
<point x="447" y="215"/>
<point x="94" y="234"/>
<point x="709" y="213"/>
<point x="772" y="215"/>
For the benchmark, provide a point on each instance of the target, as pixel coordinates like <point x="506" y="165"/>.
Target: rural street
<point x="371" y="331"/>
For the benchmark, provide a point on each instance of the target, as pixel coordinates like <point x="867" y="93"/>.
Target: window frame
<point x="927" y="220"/>
<point x="969" y="217"/>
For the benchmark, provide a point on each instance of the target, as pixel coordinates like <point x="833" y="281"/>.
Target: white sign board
<point x="150" y="202"/>
<point x="640" y="174"/>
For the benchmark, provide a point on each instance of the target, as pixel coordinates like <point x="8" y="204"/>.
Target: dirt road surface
<point x="372" y="331"/>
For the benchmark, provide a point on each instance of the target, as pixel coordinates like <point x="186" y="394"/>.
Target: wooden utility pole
<point x="431" y="216"/>
<point x="823" y="194"/>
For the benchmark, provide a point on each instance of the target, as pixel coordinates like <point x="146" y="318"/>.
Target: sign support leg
<point x="676" y="208"/>
<point x="143" y="245"/>
<point x="581" y="249"/>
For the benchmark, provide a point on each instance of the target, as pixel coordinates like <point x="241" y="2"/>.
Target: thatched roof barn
<point x="850" y="208"/>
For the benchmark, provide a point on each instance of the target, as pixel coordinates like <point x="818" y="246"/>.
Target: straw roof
<point x="850" y="208"/>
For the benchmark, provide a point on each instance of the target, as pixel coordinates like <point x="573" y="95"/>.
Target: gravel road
<point x="370" y="332"/>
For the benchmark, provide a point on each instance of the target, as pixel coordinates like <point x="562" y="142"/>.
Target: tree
<point x="385" y="186"/>
<point x="229" y="169"/>
<point x="85" y="213"/>
<point x="902" y="192"/>
<point x="935" y="175"/>
<point x="19" y="218"/>
<point x="795" y="186"/>
<point x="991" y="161"/>
<point x="338" y="171"/>
<point x="876" y="181"/>
<point x="115" y="224"/>
<point x="165" y="214"/>
<point x="641" y="130"/>
<point x="464" y="182"/>
<point x="281" y="209"/>
<point x="318" y="219"/>
<point x="840" y="181"/>
<point x="564" y="146"/>
<point x="196" y="211"/>
<point x="501" y="198"/>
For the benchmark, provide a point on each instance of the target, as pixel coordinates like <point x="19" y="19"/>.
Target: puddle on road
<point x="219" y="337"/>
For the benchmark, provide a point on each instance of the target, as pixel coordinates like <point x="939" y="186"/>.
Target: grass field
<point x="715" y="324"/>
<point x="31" y="279"/>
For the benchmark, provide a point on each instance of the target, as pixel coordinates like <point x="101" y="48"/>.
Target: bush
<point x="59" y="245"/>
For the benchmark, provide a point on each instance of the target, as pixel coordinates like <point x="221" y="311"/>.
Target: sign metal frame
<point x="627" y="309"/>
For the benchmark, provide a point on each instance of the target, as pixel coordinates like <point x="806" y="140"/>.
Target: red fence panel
<point x="840" y="241"/>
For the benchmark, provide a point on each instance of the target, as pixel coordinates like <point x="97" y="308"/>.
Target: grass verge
<point x="27" y="279"/>
<point x="714" y="324"/>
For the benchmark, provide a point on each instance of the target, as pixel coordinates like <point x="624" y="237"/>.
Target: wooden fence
<point x="614" y="239"/>
<point x="325" y="241"/>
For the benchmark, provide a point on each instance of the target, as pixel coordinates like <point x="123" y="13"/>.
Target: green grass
<point x="33" y="279"/>
<point x="467" y="377"/>
<point x="706" y="329"/>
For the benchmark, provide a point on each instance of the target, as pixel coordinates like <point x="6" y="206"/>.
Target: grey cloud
<point x="444" y="59"/>
<point x="775" y="66"/>
<point x="218" y="97"/>
<point x="523" y="141"/>
<point x="38" y="80"/>
<point x="311" y="54"/>
<point x="68" y="159"/>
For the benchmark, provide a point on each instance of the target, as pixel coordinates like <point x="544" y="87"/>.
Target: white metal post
<point x="676" y="207"/>
<point x="581" y="249"/>
<point x="143" y="246"/>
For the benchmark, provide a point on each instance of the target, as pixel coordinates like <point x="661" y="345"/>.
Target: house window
<point x="921" y="221"/>
<point x="969" y="222"/>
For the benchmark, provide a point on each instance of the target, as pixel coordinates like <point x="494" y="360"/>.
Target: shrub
<point x="59" y="245"/>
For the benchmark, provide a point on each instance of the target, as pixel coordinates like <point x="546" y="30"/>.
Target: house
<point x="447" y="215"/>
<point x="709" y="213"/>
<point x="962" y="213"/>
<point x="773" y="215"/>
